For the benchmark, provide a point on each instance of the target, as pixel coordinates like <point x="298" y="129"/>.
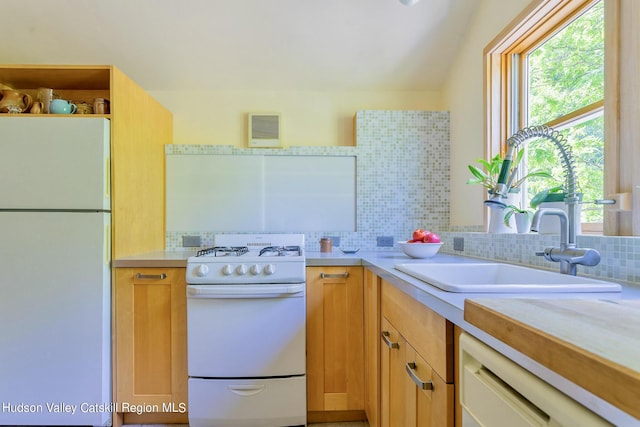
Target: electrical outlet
<point x="335" y="240"/>
<point x="384" y="241"/>
<point x="458" y="243"/>
<point x="191" y="241"/>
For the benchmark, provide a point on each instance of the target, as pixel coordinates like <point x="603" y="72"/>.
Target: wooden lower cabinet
<point x="412" y="393"/>
<point x="372" y="347"/>
<point x="150" y="382"/>
<point x="434" y="398"/>
<point x="335" y="349"/>
<point x="416" y="363"/>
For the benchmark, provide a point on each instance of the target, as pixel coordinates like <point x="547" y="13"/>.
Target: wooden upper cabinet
<point x="140" y="128"/>
<point x="335" y="374"/>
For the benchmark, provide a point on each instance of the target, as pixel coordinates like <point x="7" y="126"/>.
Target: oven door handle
<point x="245" y="291"/>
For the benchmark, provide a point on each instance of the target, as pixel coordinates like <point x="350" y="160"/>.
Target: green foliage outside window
<point x="565" y="74"/>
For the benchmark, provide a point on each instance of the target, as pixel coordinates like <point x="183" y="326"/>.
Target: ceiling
<point x="317" y="45"/>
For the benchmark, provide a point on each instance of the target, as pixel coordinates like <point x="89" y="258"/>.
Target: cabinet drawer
<point x="430" y="333"/>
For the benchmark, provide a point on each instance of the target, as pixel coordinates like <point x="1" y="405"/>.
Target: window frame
<point x="538" y="21"/>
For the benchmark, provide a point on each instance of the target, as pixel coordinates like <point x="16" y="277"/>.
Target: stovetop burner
<point x="223" y="251"/>
<point x="268" y="251"/>
<point x="280" y="251"/>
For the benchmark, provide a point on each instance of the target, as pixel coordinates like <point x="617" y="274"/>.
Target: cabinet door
<point x="335" y="374"/>
<point x="394" y="391"/>
<point x="432" y="396"/>
<point x="372" y="348"/>
<point x="151" y="342"/>
<point x="412" y="394"/>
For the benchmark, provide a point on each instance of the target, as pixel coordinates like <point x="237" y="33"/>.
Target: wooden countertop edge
<point x="615" y="384"/>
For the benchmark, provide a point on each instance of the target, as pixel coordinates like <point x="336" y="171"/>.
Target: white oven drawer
<point x="246" y="336"/>
<point x="247" y="403"/>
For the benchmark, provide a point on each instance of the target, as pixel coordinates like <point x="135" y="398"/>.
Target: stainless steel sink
<point x="498" y="277"/>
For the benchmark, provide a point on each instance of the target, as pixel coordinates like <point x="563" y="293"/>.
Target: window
<point x="562" y="83"/>
<point x="550" y="67"/>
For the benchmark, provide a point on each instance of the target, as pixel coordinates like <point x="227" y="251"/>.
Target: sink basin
<point x="497" y="277"/>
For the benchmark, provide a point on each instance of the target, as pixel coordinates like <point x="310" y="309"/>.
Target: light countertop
<point x="158" y="259"/>
<point x="452" y="307"/>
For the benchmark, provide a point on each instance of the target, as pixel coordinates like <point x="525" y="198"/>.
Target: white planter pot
<point x="496" y="217"/>
<point x="523" y="222"/>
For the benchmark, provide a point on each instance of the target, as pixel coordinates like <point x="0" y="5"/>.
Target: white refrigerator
<point x="55" y="303"/>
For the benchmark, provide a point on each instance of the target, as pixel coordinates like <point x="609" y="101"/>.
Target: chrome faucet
<point x="568" y="255"/>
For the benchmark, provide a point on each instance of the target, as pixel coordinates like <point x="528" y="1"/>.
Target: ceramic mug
<point x="61" y="106"/>
<point x="37" y="108"/>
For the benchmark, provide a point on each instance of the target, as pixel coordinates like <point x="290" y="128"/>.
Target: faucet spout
<point x="565" y="241"/>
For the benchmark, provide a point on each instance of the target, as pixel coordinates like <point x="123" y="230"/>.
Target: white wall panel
<point x="261" y="193"/>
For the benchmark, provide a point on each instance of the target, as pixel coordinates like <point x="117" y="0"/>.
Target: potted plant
<point x="522" y="217"/>
<point x="488" y="178"/>
<point x="548" y="195"/>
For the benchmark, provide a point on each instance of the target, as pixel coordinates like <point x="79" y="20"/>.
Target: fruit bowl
<point x="420" y="250"/>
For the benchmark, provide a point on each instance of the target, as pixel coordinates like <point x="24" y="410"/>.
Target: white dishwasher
<point x="496" y="392"/>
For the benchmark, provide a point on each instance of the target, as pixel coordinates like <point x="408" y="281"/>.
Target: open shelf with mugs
<point x="27" y="89"/>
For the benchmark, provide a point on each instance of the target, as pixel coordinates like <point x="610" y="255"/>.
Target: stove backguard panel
<point x="265" y="193"/>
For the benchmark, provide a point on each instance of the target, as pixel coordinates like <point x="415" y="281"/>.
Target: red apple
<point x="419" y="234"/>
<point x="431" y="238"/>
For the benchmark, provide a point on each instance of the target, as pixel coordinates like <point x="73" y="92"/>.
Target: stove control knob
<point x="255" y="269"/>
<point x="201" y="270"/>
<point x="227" y="270"/>
<point x="269" y="269"/>
<point x="241" y="269"/>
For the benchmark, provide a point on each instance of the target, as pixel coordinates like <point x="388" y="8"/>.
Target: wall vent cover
<point x="264" y="130"/>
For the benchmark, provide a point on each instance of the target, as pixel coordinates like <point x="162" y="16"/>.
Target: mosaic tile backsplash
<point x="397" y="191"/>
<point x="392" y="180"/>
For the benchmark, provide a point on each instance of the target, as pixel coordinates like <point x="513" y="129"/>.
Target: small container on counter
<point x="326" y="244"/>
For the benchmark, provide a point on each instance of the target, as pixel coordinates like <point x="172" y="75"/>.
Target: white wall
<point x="463" y="96"/>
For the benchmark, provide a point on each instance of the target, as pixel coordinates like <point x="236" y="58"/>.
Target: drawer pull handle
<point x="387" y="341"/>
<point x="335" y="276"/>
<point x="422" y="385"/>
<point x="151" y="276"/>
